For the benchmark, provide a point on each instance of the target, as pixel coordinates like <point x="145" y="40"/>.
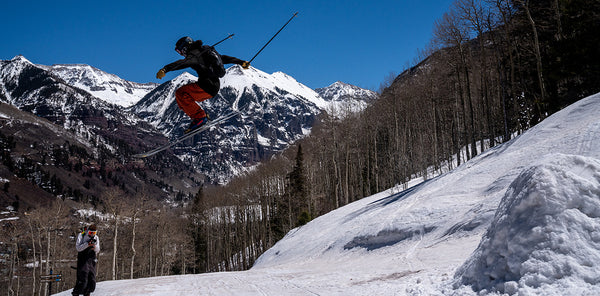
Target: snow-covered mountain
<point x="275" y="109"/>
<point x="40" y="91"/>
<point x="107" y="130"/>
<point x="35" y="89"/>
<point x="277" y="83"/>
<point x="159" y="108"/>
<point x="108" y="87"/>
<point x="344" y="98"/>
<point x="522" y="218"/>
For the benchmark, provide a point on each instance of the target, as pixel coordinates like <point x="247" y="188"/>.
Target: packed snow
<point x="546" y="233"/>
<point x="521" y="218"/>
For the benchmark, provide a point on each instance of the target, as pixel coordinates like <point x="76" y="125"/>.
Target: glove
<point x="161" y="73"/>
<point x="245" y="65"/>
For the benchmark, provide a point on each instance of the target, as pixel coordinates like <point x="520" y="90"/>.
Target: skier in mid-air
<point x="208" y="64"/>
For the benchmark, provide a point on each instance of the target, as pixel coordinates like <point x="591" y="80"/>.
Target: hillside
<point x="52" y="131"/>
<point x="41" y="161"/>
<point x="445" y="236"/>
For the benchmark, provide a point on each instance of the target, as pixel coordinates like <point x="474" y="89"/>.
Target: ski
<point x="207" y="126"/>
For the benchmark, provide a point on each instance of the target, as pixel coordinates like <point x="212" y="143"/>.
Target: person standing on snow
<point x="208" y="64"/>
<point x="87" y="246"/>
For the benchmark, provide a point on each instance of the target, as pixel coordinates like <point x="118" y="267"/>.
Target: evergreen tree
<point x="292" y="209"/>
<point x="298" y="194"/>
<point x="198" y="226"/>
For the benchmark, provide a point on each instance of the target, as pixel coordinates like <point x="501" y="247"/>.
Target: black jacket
<point x="199" y="58"/>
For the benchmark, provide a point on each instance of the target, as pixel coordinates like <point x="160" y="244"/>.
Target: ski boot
<point x="196" y="124"/>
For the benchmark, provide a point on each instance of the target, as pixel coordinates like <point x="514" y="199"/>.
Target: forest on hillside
<point x="493" y="69"/>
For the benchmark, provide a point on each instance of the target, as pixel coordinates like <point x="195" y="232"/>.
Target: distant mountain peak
<point x="278" y="82"/>
<point x="339" y="84"/>
<point x="108" y="87"/>
<point x="340" y="90"/>
<point x="184" y="78"/>
<point x="20" y="58"/>
<point x="345" y="99"/>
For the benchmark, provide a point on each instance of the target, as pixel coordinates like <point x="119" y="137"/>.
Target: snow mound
<point x="545" y="236"/>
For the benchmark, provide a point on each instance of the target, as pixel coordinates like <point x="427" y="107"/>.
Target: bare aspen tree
<point x="475" y="14"/>
<point x="559" y="30"/>
<point x="113" y="202"/>
<point x="34" y="268"/>
<point x="536" y="46"/>
<point x="451" y="31"/>
<point x="139" y="206"/>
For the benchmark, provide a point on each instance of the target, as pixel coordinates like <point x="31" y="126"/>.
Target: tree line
<point x="493" y="69"/>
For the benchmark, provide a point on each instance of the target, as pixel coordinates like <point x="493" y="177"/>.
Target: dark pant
<point x="86" y="273"/>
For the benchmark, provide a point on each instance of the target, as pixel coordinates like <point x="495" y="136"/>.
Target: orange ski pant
<point x="187" y="96"/>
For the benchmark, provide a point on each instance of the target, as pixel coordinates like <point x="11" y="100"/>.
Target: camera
<point x="93" y="240"/>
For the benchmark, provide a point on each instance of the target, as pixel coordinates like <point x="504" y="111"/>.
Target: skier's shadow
<point x="398" y="196"/>
<point x="385" y="201"/>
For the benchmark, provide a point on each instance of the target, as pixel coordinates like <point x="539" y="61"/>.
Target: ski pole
<point x="228" y="37"/>
<point x="295" y="14"/>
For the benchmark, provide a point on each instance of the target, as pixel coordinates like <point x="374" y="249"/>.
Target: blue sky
<point x="357" y="42"/>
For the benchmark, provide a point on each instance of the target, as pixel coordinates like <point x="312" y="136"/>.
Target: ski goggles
<point x="92" y="233"/>
<point x="180" y="51"/>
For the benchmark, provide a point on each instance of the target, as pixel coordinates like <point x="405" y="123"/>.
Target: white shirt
<point x="82" y="243"/>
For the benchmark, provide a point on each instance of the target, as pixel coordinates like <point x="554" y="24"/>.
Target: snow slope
<point x="523" y="217"/>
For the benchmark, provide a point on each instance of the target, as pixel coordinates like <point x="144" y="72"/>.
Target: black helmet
<point x="182" y="44"/>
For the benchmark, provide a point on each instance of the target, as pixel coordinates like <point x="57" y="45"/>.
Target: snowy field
<point x="522" y="218"/>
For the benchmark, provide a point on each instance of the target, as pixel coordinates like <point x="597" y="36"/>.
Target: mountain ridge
<point x="108" y="87"/>
<point x="276" y="111"/>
